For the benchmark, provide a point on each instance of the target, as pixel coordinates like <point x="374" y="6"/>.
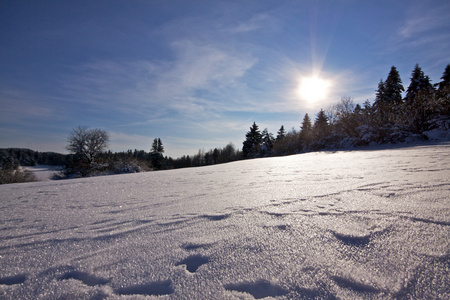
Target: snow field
<point x="350" y="225"/>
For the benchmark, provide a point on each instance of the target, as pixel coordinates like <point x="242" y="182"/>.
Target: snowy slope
<point x="349" y="225"/>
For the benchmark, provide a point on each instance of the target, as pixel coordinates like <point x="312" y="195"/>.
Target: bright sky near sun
<point x="197" y="74"/>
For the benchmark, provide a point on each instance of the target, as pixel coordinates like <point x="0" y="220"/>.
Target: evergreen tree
<point x="321" y="123"/>
<point x="281" y="134"/>
<point x="215" y="156"/>
<point x="156" y="154"/>
<point x="443" y="93"/>
<point x="445" y="83"/>
<point x="160" y="147"/>
<point x="419" y="100"/>
<point x="393" y="89"/>
<point x="321" y="130"/>
<point x="420" y="83"/>
<point x="379" y="105"/>
<point x="267" y="140"/>
<point x="305" y="135"/>
<point x="252" y="141"/>
<point x="388" y="99"/>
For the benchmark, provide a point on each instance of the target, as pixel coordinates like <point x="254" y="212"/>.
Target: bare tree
<point x="87" y="142"/>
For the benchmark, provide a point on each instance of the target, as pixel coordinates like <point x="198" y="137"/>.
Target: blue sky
<point x="197" y="74"/>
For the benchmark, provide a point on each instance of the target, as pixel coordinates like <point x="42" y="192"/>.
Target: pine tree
<point x="306" y="124"/>
<point x="393" y="89"/>
<point x="252" y="141"/>
<point x="305" y="134"/>
<point x="154" y="146"/>
<point x="267" y="140"/>
<point x="419" y="100"/>
<point x="321" y="130"/>
<point x="379" y="105"/>
<point x="420" y="83"/>
<point x="445" y="83"/>
<point x="388" y="99"/>
<point x="321" y="124"/>
<point x="443" y="93"/>
<point x="156" y="154"/>
<point x="160" y="147"/>
<point x="281" y="134"/>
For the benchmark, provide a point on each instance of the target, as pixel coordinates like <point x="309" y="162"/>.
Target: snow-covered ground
<point x="44" y="172"/>
<point x="348" y="225"/>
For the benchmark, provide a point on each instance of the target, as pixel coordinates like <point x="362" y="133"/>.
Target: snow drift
<point x="350" y="224"/>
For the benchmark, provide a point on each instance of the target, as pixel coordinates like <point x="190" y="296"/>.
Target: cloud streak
<point x="18" y="106"/>
<point x="426" y="25"/>
<point x="152" y="88"/>
<point x="255" y="23"/>
<point x="421" y="21"/>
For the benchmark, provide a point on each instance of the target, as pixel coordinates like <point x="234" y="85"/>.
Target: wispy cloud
<point x="257" y="22"/>
<point x="18" y="106"/>
<point x="153" y="87"/>
<point x="203" y="67"/>
<point x="426" y="28"/>
<point x="421" y="21"/>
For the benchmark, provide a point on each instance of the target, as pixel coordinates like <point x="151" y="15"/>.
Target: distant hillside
<point x="28" y="157"/>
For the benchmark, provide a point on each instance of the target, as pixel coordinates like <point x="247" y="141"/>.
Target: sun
<point x="313" y="89"/>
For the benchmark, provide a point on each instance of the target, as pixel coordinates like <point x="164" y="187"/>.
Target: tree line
<point x="89" y="158"/>
<point x="391" y="118"/>
<point x="11" y="159"/>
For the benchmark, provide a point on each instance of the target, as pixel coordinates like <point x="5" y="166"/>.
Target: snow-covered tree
<point x="445" y="79"/>
<point x="380" y="105"/>
<point x="267" y="141"/>
<point x="388" y="99"/>
<point x="393" y="89"/>
<point x="443" y="92"/>
<point x="420" y="83"/>
<point x="419" y="100"/>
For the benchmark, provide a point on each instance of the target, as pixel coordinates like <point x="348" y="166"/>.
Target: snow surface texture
<point x="349" y="225"/>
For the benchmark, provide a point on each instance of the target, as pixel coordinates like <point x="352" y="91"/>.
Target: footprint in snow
<point x="15" y="279"/>
<point x="260" y="289"/>
<point x="216" y="217"/>
<point x="358" y="240"/>
<point x="357" y="287"/>
<point x="84" y="277"/>
<point x="274" y="214"/>
<point x="193" y="246"/>
<point x="283" y="227"/>
<point x="353" y="240"/>
<point x="193" y="262"/>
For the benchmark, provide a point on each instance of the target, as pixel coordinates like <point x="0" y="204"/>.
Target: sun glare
<point x="313" y="88"/>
